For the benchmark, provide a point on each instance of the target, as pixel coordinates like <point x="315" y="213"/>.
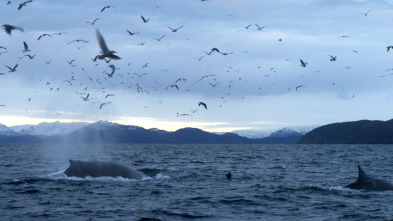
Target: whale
<point x="365" y="182"/>
<point x="83" y="169"/>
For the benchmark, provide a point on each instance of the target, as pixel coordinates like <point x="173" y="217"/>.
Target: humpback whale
<point x="100" y="168"/>
<point x="365" y="182"/>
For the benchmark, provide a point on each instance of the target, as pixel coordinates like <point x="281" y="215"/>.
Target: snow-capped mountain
<point x="4" y="130"/>
<point x="286" y="131"/>
<point x="48" y="129"/>
<point x="254" y="134"/>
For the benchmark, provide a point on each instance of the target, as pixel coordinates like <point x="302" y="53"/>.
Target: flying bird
<point x="43" y="35"/>
<point x="132" y="33"/>
<point x="299" y="86"/>
<point x="101" y="105"/>
<point x="332" y="58"/>
<point x="259" y="28"/>
<point x="77" y="40"/>
<point x="144" y="20"/>
<point x="366" y="13"/>
<point x="203" y="104"/>
<point x="12" y="69"/>
<point x="86" y="98"/>
<point x="172" y="85"/>
<point x="106" y="53"/>
<point x="92" y="23"/>
<point x="175" y="29"/>
<point x="23" y="4"/>
<point x="26" y="47"/>
<point x="8" y="28"/>
<point x="159" y="39"/>
<point x="389" y="47"/>
<point x="108" y="6"/>
<point x="302" y="63"/>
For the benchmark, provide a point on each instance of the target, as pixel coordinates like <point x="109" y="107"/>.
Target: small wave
<point x="330" y="188"/>
<point x="162" y="176"/>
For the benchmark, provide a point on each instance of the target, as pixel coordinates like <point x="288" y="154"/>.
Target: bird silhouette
<point x="332" y="58"/>
<point x="388" y="48"/>
<point x="259" y="28"/>
<point x="26" y="47"/>
<point x="92" y="23"/>
<point x="302" y="63"/>
<point x="132" y="33"/>
<point x="106" y="53"/>
<point x="144" y="20"/>
<point x="43" y="35"/>
<point x="8" y="28"/>
<point x="365" y="13"/>
<point x="86" y="98"/>
<point x="23" y="4"/>
<point x="12" y="69"/>
<point x="108" y="6"/>
<point x="175" y="29"/>
<point x="203" y="104"/>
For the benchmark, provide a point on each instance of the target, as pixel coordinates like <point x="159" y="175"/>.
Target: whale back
<point x="365" y="182"/>
<point x="100" y="168"/>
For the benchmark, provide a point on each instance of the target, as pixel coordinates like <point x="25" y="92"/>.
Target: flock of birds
<point x="108" y="57"/>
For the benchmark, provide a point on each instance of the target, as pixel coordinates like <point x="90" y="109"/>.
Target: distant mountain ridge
<point x="108" y="132"/>
<point x="356" y="132"/>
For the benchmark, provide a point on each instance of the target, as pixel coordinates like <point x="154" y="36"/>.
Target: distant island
<point x="356" y="132"/>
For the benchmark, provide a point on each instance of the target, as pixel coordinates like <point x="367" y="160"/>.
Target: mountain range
<point x="108" y="132"/>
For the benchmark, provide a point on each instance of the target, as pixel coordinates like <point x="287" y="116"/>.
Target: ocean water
<point x="188" y="182"/>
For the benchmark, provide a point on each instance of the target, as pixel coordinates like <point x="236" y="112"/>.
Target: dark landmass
<point x="104" y="132"/>
<point x="356" y="132"/>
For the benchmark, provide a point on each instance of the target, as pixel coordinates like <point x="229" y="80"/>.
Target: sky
<point x="256" y="82"/>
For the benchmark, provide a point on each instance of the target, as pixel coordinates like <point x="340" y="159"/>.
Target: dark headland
<point x="356" y="132"/>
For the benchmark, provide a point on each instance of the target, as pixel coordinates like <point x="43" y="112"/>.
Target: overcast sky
<point x="256" y="82"/>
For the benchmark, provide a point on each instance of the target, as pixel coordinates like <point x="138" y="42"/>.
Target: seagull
<point x="332" y="58"/>
<point x="12" y="69"/>
<point x="26" y="47"/>
<point x="388" y="48"/>
<point x="108" y="95"/>
<point x="214" y="85"/>
<point x="86" y="98"/>
<point x="30" y="56"/>
<point x="159" y="39"/>
<point x="23" y="4"/>
<point x="9" y="28"/>
<point x="172" y="85"/>
<point x="43" y="36"/>
<point x="106" y="53"/>
<point x="77" y="40"/>
<point x="365" y="14"/>
<point x="259" y="28"/>
<point x="139" y="75"/>
<point x="108" y="6"/>
<point x="203" y="104"/>
<point x="144" y="20"/>
<point x="175" y="29"/>
<point x="104" y="104"/>
<point x="302" y="63"/>
<point x="92" y="23"/>
<point x="299" y="86"/>
<point x="132" y="33"/>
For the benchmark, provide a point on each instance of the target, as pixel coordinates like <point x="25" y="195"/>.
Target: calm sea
<point x="188" y="182"/>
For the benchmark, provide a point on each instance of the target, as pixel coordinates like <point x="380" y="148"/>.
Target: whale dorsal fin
<point x="362" y="175"/>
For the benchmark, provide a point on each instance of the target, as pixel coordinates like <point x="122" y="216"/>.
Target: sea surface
<point x="188" y="182"/>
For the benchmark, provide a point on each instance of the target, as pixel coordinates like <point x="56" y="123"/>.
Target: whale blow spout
<point x="99" y="169"/>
